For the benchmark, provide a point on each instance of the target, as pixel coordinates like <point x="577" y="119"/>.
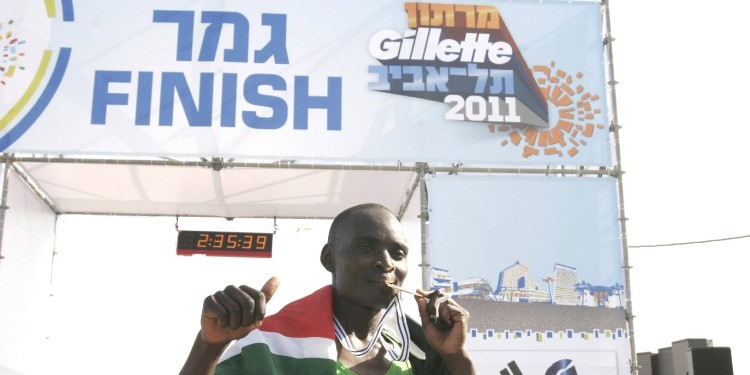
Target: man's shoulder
<point x="309" y="316"/>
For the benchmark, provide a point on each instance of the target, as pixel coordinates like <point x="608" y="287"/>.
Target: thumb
<point x="269" y="288"/>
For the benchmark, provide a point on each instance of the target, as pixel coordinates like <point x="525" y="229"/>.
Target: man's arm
<point x="227" y="315"/>
<point x="203" y="357"/>
<point x="447" y="334"/>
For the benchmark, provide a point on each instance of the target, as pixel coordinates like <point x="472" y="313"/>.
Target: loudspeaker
<point x="710" y="361"/>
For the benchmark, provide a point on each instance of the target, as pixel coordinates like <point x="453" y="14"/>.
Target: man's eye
<point x="398" y="254"/>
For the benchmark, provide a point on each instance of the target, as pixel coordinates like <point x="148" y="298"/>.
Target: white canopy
<point x="215" y="188"/>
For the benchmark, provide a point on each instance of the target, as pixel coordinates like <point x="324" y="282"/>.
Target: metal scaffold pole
<point x="424" y="218"/>
<point x="618" y="172"/>
<point x="4" y="201"/>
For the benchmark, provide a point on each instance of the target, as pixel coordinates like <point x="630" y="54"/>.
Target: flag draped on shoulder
<point x="299" y="339"/>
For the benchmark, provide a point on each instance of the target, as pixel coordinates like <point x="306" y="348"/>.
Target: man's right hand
<point x="232" y="313"/>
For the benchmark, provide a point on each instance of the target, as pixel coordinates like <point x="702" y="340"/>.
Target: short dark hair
<point x="338" y="226"/>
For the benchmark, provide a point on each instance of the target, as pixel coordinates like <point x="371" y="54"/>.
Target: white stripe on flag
<point x="295" y="347"/>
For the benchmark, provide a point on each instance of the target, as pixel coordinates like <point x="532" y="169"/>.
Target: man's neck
<point x="356" y="319"/>
<point x="360" y="324"/>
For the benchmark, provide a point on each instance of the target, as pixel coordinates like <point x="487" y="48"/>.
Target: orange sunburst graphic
<point x="577" y="112"/>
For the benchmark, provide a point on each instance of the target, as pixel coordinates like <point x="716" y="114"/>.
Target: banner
<point x="537" y="261"/>
<point x="516" y="82"/>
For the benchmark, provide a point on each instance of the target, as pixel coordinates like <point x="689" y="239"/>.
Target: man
<point x="339" y="328"/>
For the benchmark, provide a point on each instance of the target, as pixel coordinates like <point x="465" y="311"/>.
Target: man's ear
<point x="326" y="258"/>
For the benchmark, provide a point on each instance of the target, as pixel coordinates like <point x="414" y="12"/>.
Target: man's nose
<point x="385" y="261"/>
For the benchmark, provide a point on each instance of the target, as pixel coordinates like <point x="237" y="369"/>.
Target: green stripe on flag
<point x="258" y="359"/>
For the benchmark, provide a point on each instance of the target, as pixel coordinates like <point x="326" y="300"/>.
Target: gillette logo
<point x="461" y="55"/>
<point x="425" y="44"/>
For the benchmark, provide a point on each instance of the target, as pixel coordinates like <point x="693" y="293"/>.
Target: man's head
<point x="366" y="249"/>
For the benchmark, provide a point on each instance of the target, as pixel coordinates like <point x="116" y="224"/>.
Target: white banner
<point x="538" y="263"/>
<point x="565" y="362"/>
<point x="517" y="82"/>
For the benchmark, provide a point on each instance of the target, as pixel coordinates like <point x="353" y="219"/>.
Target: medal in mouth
<point x="433" y="310"/>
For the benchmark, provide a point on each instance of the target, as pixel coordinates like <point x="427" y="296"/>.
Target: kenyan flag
<point x="299" y="339"/>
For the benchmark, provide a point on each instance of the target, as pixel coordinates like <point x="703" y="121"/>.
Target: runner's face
<point x="371" y="252"/>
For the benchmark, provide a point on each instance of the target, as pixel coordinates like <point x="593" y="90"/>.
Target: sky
<point x="680" y="102"/>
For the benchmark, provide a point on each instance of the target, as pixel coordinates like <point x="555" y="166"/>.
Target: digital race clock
<point x="231" y="244"/>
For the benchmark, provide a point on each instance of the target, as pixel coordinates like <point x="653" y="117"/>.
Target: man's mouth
<point x="388" y="282"/>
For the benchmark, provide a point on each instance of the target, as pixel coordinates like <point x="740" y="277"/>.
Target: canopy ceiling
<point x="230" y="188"/>
<point x="213" y="187"/>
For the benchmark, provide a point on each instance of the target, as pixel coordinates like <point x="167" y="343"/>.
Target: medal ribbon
<point x="403" y="333"/>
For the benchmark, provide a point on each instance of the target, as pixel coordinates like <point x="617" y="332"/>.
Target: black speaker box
<point x="710" y="361"/>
